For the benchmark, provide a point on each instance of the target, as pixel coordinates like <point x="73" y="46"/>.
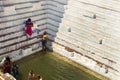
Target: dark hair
<point x="29" y="19"/>
<point x="8" y="58"/>
<point x="31" y="71"/>
<point x="38" y="76"/>
<point x="44" y="33"/>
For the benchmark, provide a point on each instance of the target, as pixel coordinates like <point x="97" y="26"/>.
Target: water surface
<point x="51" y="68"/>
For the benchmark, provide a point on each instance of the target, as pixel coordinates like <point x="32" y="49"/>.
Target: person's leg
<point x="45" y="47"/>
<point x="42" y="47"/>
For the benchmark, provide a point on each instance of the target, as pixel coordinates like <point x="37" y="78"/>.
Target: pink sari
<point x="28" y="29"/>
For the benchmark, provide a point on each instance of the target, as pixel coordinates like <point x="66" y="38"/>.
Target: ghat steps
<point x="89" y="28"/>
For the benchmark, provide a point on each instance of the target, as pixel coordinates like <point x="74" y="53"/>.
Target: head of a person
<point x="31" y="72"/>
<point x="38" y="76"/>
<point x="44" y="33"/>
<point x="29" y="19"/>
<point x="8" y="58"/>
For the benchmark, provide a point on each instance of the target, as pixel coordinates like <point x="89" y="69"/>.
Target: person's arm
<point x="46" y="37"/>
<point x="29" y="75"/>
<point x="41" y="78"/>
<point x="32" y="24"/>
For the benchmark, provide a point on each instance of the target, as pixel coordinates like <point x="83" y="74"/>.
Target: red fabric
<point x="29" y="26"/>
<point x="6" y="66"/>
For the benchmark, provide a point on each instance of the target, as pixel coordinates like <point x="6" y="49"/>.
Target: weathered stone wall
<point x="13" y="13"/>
<point x="88" y="33"/>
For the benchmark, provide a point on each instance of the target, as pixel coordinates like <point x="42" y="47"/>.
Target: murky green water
<point x="51" y="68"/>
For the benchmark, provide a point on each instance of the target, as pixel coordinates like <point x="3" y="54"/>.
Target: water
<point x="51" y="68"/>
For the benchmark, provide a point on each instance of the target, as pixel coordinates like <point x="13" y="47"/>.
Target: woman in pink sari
<point x="29" y="26"/>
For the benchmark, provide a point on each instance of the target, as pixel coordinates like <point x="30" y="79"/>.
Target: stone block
<point x="36" y="6"/>
<point x="9" y="10"/>
<point x="26" y="51"/>
<point x="55" y="13"/>
<point x="16" y="55"/>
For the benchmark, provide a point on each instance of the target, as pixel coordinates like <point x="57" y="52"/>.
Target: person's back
<point x="29" y="24"/>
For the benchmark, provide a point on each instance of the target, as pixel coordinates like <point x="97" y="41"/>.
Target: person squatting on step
<point x="28" y="27"/>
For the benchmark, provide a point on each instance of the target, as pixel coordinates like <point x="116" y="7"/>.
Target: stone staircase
<point x="94" y="35"/>
<point x="13" y="13"/>
<point x="87" y="27"/>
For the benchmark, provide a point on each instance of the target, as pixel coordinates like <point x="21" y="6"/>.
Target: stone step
<point x="17" y="28"/>
<point x="94" y="56"/>
<point x="97" y="41"/>
<point x="102" y="28"/>
<point x="52" y="22"/>
<point x="61" y="1"/>
<point x="82" y="31"/>
<point x="88" y="15"/>
<point x="110" y="48"/>
<point x="56" y="4"/>
<point x="105" y="4"/>
<point x="89" y="47"/>
<point x="104" y="34"/>
<point x="56" y="8"/>
<point x="18" y="6"/>
<point x="55" y="28"/>
<point x="26" y="15"/>
<point x="50" y="11"/>
<point x="56" y="18"/>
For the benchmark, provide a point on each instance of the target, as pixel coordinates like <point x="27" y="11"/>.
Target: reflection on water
<point x="51" y="68"/>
